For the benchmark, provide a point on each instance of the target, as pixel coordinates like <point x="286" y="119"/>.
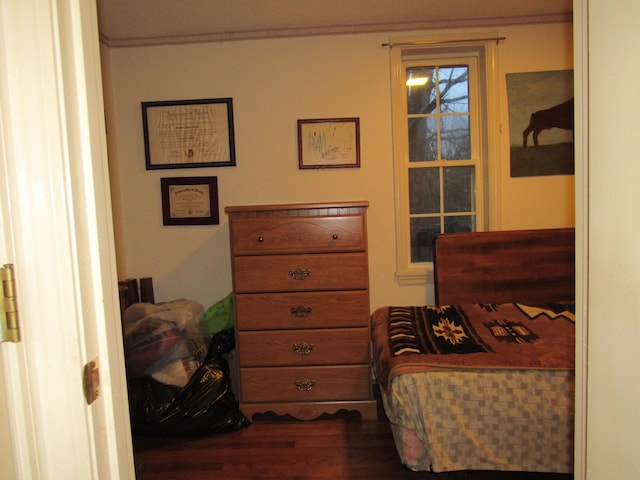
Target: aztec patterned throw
<point x="503" y="336"/>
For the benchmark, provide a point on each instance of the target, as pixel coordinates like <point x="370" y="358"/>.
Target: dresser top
<point x="297" y="206"/>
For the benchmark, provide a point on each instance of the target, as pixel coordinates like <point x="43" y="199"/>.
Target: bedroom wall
<point x="273" y="83"/>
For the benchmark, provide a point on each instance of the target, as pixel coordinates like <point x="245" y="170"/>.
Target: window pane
<point x="455" y="138"/>
<point x="424" y="190"/>
<point x="437" y="160"/>
<point x="423" y="231"/>
<point x="459" y="189"/>
<point x="421" y="97"/>
<point x="454" y="89"/>
<point x="423" y="139"/>
<point x="460" y="224"/>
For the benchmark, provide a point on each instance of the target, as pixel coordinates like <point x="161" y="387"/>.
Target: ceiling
<point x="153" y="22"/>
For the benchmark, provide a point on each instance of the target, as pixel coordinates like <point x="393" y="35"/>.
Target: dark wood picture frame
<point x="190" y="201"/>
<point x="188" y="133"/>
<point x="329" y="143"/>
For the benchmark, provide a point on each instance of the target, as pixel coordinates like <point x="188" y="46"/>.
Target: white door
<point x="57" y="231"/>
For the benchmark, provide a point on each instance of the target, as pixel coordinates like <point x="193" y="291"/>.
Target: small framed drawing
<point x="329" y="143"/>
<point x="190" y="201"/>
<point x="188" y="133"/>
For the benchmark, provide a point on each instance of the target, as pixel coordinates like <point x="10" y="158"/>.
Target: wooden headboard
<point x="131" y="292"/>
<point x="505" y="266"/>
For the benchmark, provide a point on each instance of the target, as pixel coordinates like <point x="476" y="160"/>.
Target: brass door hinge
<point x="9" y="325"/>
<point x="91" y="381"/>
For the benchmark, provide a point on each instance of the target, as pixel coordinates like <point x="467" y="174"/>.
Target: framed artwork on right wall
<point x="541" y="123"/>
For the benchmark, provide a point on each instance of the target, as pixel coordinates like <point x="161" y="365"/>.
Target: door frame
<point x="57" y="230"/>
<point x="58" y="233"/>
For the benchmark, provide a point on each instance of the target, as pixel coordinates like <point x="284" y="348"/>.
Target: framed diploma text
<point x="188" y="133"/>
<point x="190" y="201"/>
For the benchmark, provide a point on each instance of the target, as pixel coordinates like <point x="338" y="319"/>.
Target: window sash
<point x="408" y="271"/>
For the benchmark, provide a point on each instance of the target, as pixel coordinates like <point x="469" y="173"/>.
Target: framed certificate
<point x="188" y="133"/>
<point x="190" y="201"/>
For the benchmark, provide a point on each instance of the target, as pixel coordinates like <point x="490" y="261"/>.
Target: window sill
<point x="415" y="275"/>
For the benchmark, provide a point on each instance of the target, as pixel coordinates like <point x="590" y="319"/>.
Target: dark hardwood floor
<point x="333" y="447"/>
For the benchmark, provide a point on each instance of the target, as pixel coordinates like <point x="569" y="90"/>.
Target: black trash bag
<point x="206" y="405"/>
<point x="222" y="343"/>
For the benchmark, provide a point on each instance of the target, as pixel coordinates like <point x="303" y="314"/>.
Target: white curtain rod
<point x="436" y="42"/>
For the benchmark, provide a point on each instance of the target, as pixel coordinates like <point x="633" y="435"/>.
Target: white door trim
<point x="56" y="208"/>
<point x="581" y="89"/>
<point x="56" y="205"/>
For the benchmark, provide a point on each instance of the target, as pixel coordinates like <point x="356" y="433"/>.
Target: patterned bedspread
<point x="498" y="336"/>
<point x="478" y="386"/>
<point x="510" y="420"/>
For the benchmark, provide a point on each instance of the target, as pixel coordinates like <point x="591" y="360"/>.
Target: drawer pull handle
<point x="303" y="348"/>
<point x="301" y="311"/>
<point x="299" y="273"/>
<point x="260" y="239"/>
<point x="305" y="384"/>
<point x="334" y="236"/>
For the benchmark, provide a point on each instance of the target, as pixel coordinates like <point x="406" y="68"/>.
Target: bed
<point x="132" y="290"/>
<point x="484" y="379"/>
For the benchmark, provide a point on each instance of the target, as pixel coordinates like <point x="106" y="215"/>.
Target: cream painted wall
<point x="534" y="202"/>
<point x="613" y="419"/>
<point x="273" y="83"/>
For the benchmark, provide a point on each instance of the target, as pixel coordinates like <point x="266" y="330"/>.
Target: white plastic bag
<point x="166" y="341"/>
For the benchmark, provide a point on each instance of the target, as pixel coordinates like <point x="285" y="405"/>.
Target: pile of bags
<point x="177" y="371"/>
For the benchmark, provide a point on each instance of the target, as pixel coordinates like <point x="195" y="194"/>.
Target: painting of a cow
<point x="559" y="116"/>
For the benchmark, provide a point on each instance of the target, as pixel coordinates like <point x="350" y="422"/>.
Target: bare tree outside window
<point x="441" y="174"/>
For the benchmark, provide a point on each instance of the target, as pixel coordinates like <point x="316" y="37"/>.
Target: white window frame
<point x="484" y="135"/>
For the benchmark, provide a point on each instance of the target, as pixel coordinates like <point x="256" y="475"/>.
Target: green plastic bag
<point x="219" y="316"/>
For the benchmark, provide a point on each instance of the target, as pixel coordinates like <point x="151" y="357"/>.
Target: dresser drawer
<point x="290" y="273"/>
<point x="264" y="236"/>
<point x="256" y="311"/>
<point x="303" y="384"/>
<point x="304" y="347"/>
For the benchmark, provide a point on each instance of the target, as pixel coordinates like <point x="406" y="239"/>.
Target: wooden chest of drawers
<point x="301" y="291"/>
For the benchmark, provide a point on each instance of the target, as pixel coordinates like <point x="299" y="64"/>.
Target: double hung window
<point x="440" y="150"/>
